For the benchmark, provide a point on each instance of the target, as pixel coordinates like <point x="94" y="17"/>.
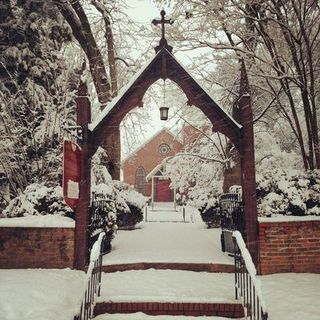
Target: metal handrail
<point x="93" y="280"/>
<point x="247" y="286"/>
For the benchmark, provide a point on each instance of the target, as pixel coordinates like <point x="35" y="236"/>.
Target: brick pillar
<point x="81" y="212"/>
<point x="248" y="171"/>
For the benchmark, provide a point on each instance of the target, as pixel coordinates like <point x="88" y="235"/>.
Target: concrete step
<point x="168" y="292"/>
<point x="197" y="267"/>
<point x="194" y="309"/>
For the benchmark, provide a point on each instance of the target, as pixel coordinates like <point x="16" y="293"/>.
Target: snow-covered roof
<point x="157" y="168"/>
<point x="120" y="94"/>
<point x="112" y="104"/>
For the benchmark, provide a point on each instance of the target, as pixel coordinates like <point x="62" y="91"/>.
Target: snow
<point x="142" y="316"/>
<point x="96" y="248"/>
<point x="47" y="221"/>
<point x="250" y="267"/>
<point x="282" y="218"/>
<point x="167" y="286"/>
<point x="37" y="294"/>
<point x="167" y="242"/>
<point x="292" y="296"/>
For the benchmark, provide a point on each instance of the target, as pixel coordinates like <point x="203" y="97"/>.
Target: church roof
<point x="150" y="139"/>
<point x="160" y="167"/>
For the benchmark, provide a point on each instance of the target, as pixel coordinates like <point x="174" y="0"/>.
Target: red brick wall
<point x="289" y="246"/>
<point x="149" y="157"/>
<point x="36" y="247"/>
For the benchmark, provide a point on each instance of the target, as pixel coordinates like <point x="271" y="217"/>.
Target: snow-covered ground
<point x="167" y="242"/>
<point x="39" y="294"/>
<point x="292" y="296"/>
<point x="288" y="296"/>
<point x="56" y="294"/>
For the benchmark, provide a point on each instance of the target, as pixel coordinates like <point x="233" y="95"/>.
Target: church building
<point x="148" y="159"/>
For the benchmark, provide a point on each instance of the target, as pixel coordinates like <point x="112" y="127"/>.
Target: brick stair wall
<point x="197" y="267"/>
<point x="36" y="247"/>
<point x="230" y="310"/>
<point x="291" y="246"/>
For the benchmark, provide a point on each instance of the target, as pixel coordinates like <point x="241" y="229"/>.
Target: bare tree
<point x="76" y="17"/>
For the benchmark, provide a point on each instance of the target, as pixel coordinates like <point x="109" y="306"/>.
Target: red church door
<point x="163" y="192"/>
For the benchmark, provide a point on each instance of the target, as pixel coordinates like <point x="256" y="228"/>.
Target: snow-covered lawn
<point x="292" y="296"/>
<point x="40" y="294"/>
<point x="167" y="242"/>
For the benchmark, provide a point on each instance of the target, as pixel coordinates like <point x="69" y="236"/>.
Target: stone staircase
<point x="144" y="290"/>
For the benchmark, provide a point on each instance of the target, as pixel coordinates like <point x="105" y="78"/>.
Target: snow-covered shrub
<point x="38" y="199"/>
<point x="288" y="192"/>
<point x="211" y="215"/>
<point x="207" y="201"/>
<point x="106" y="201"/>
<point x="135" y="201"/>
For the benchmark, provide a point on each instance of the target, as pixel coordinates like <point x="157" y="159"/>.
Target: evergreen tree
<point x="34" y="91"/>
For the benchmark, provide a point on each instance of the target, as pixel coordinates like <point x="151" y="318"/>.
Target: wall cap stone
<point x="46" y="221"/>
<point x="288" y="219"/>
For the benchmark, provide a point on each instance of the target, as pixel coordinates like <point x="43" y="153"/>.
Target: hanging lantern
<point x="164" y="111"/>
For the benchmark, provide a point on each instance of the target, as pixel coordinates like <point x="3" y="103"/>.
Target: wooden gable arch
<point x="104" y="131"/>
<point x="162" y="66"/>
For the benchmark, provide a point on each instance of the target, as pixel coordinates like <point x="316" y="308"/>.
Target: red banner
<point x="71" y="173"/>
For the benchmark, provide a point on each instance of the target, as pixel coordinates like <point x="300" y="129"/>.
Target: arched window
<point x="140" y="181"/>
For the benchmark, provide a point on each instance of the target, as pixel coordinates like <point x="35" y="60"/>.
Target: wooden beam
<point x="81" y="212"/>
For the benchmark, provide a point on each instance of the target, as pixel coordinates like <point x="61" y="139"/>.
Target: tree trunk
<point x="78" y="21"/>
<point x="110" y="45"/>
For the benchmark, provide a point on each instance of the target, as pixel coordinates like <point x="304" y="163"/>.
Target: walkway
<point x="151" y="269"/>
<point x="168" y="242"/>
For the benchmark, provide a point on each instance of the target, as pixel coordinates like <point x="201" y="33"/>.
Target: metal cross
<point x="163" y="21"/>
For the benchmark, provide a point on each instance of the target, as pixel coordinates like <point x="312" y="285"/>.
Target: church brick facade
<point x="139" y="164"/>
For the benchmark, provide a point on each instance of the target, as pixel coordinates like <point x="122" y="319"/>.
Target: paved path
<point x="167" y="242"/>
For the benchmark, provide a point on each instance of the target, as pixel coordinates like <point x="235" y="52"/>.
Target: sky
<point x="144" y="11"/>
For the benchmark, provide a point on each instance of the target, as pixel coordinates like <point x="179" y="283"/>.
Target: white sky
<point x="144" y="11"/>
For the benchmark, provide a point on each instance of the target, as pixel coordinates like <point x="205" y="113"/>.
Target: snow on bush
<point x="38" y="199"/>
<point x="105" y="202"/>
<point x="135" y="201"/>
<point x="288" y="192"/>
